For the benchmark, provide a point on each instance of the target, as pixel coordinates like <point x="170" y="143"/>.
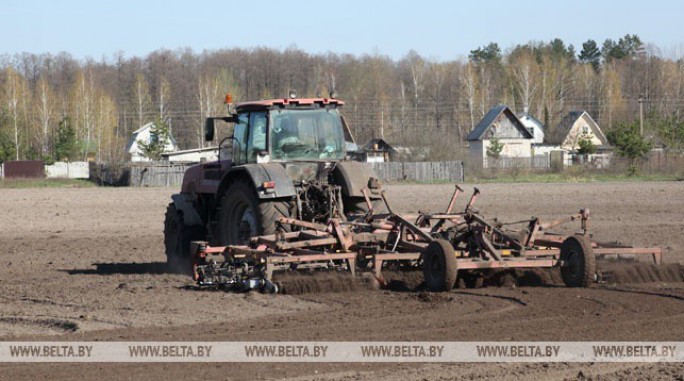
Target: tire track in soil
<point x="507" y="298"/>
<point x="644" y="292"/>
<point x="54" y="324"/>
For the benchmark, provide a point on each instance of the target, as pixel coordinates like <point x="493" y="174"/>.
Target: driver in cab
<point x="285" y="134"/>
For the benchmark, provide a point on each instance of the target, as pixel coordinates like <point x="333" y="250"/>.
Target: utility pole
<point x="641" y="115"/>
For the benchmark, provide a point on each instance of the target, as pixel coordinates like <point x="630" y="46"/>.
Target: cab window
<point x="257" y="135"/>
<point x="240" y="142"/>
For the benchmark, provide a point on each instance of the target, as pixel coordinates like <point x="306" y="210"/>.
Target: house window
<point x="531" y="130"/>
<point x="585" y="130"/>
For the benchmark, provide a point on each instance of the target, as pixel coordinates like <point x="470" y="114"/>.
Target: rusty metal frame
<point x="376" y="239"/>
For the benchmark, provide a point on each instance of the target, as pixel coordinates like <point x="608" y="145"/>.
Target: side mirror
<point x="209" y="129"/>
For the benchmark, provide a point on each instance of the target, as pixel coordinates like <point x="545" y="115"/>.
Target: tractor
<point x="285" y="158"/>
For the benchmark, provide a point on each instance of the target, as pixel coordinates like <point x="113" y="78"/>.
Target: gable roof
<point x="558" y="135"/>
<point x="493" y="114"/>
<point x="382" y="145"/>
<point x="533" y="119"/>
<point x="134" y="136"/>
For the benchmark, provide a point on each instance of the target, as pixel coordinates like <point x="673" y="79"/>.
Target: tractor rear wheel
<point x="358" y="205"/>
<point x="579" y="263"/>
<point x="440" y="268"/>
<point x="243" y="216"/>
<point x="177" y="238"/>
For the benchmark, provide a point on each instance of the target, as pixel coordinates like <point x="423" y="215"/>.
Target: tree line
<point x="55" y="107"/>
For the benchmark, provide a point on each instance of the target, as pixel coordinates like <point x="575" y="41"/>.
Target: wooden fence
<point x="171" y="175"/>
<point x="420" y="171"/>
<point x="158" y="175"/>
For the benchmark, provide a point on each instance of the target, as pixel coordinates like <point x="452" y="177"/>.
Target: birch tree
<point x="14" y="92"/>
<point x="84" y="110"/>
<point x="45" y="114"/>
<point x="164" y="98"/>
<point x="141" y="100"/>
<point x="211" y="92"/>
<point x="469" y="86"/>
<point x="107" y="117"/>
<point x="525" y="72"/>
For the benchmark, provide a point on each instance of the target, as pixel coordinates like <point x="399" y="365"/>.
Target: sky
<point x="440" y="30"/>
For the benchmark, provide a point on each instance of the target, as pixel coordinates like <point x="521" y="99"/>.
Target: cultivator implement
<point x="451" y="248"/>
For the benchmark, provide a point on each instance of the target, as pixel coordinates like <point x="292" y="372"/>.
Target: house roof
<point x="532" y="118"/>
<point x="134" y="136"/>
<point x="493" y="114"/>
<point x="143" y="128"/>
<point x="382" y="145"/>
<point x="558" y="135"/>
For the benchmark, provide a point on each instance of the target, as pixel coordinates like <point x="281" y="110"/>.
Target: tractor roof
<point x="283" y="102"/>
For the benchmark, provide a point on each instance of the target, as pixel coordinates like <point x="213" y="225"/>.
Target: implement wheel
<point x="439" y="266"/>
<point x="579" y="263"/>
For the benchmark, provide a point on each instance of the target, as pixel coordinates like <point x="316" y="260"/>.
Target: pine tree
<point x="629" y="143"/>
<point x="495" y="148"/>
<point x="66" y="146"/>
<point x="590" y="54"/>
<point x="159" y="138"/>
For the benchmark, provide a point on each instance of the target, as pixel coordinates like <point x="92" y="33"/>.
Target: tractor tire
<point x="579" y="262"/>
<point x="177" y="238"/>
<point x="440" y="268"/>
<point x="243" y="216"/>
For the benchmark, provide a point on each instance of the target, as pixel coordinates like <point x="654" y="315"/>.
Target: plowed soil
<point x="88" y="264"/>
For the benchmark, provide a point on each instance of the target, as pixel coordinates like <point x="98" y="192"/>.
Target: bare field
<point x="87" y="264"/>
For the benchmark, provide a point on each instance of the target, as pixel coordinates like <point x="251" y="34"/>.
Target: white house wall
<point x="144" y="135"/>
<point x="538" y="132"/>
<point x="512" y="147"/>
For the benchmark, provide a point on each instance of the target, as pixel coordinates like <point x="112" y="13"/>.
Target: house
<point x="574" y="127"/>
<point x="534" y="126"/>
<point x="146" y="135"/>
<point x="196" y="155"/>
<point x="501" y="124"/>
<point x="377" y="151"/>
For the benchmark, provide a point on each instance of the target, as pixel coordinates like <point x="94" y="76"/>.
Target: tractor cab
<point x="285" y="158"/>
<point x="285" y="130"/>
